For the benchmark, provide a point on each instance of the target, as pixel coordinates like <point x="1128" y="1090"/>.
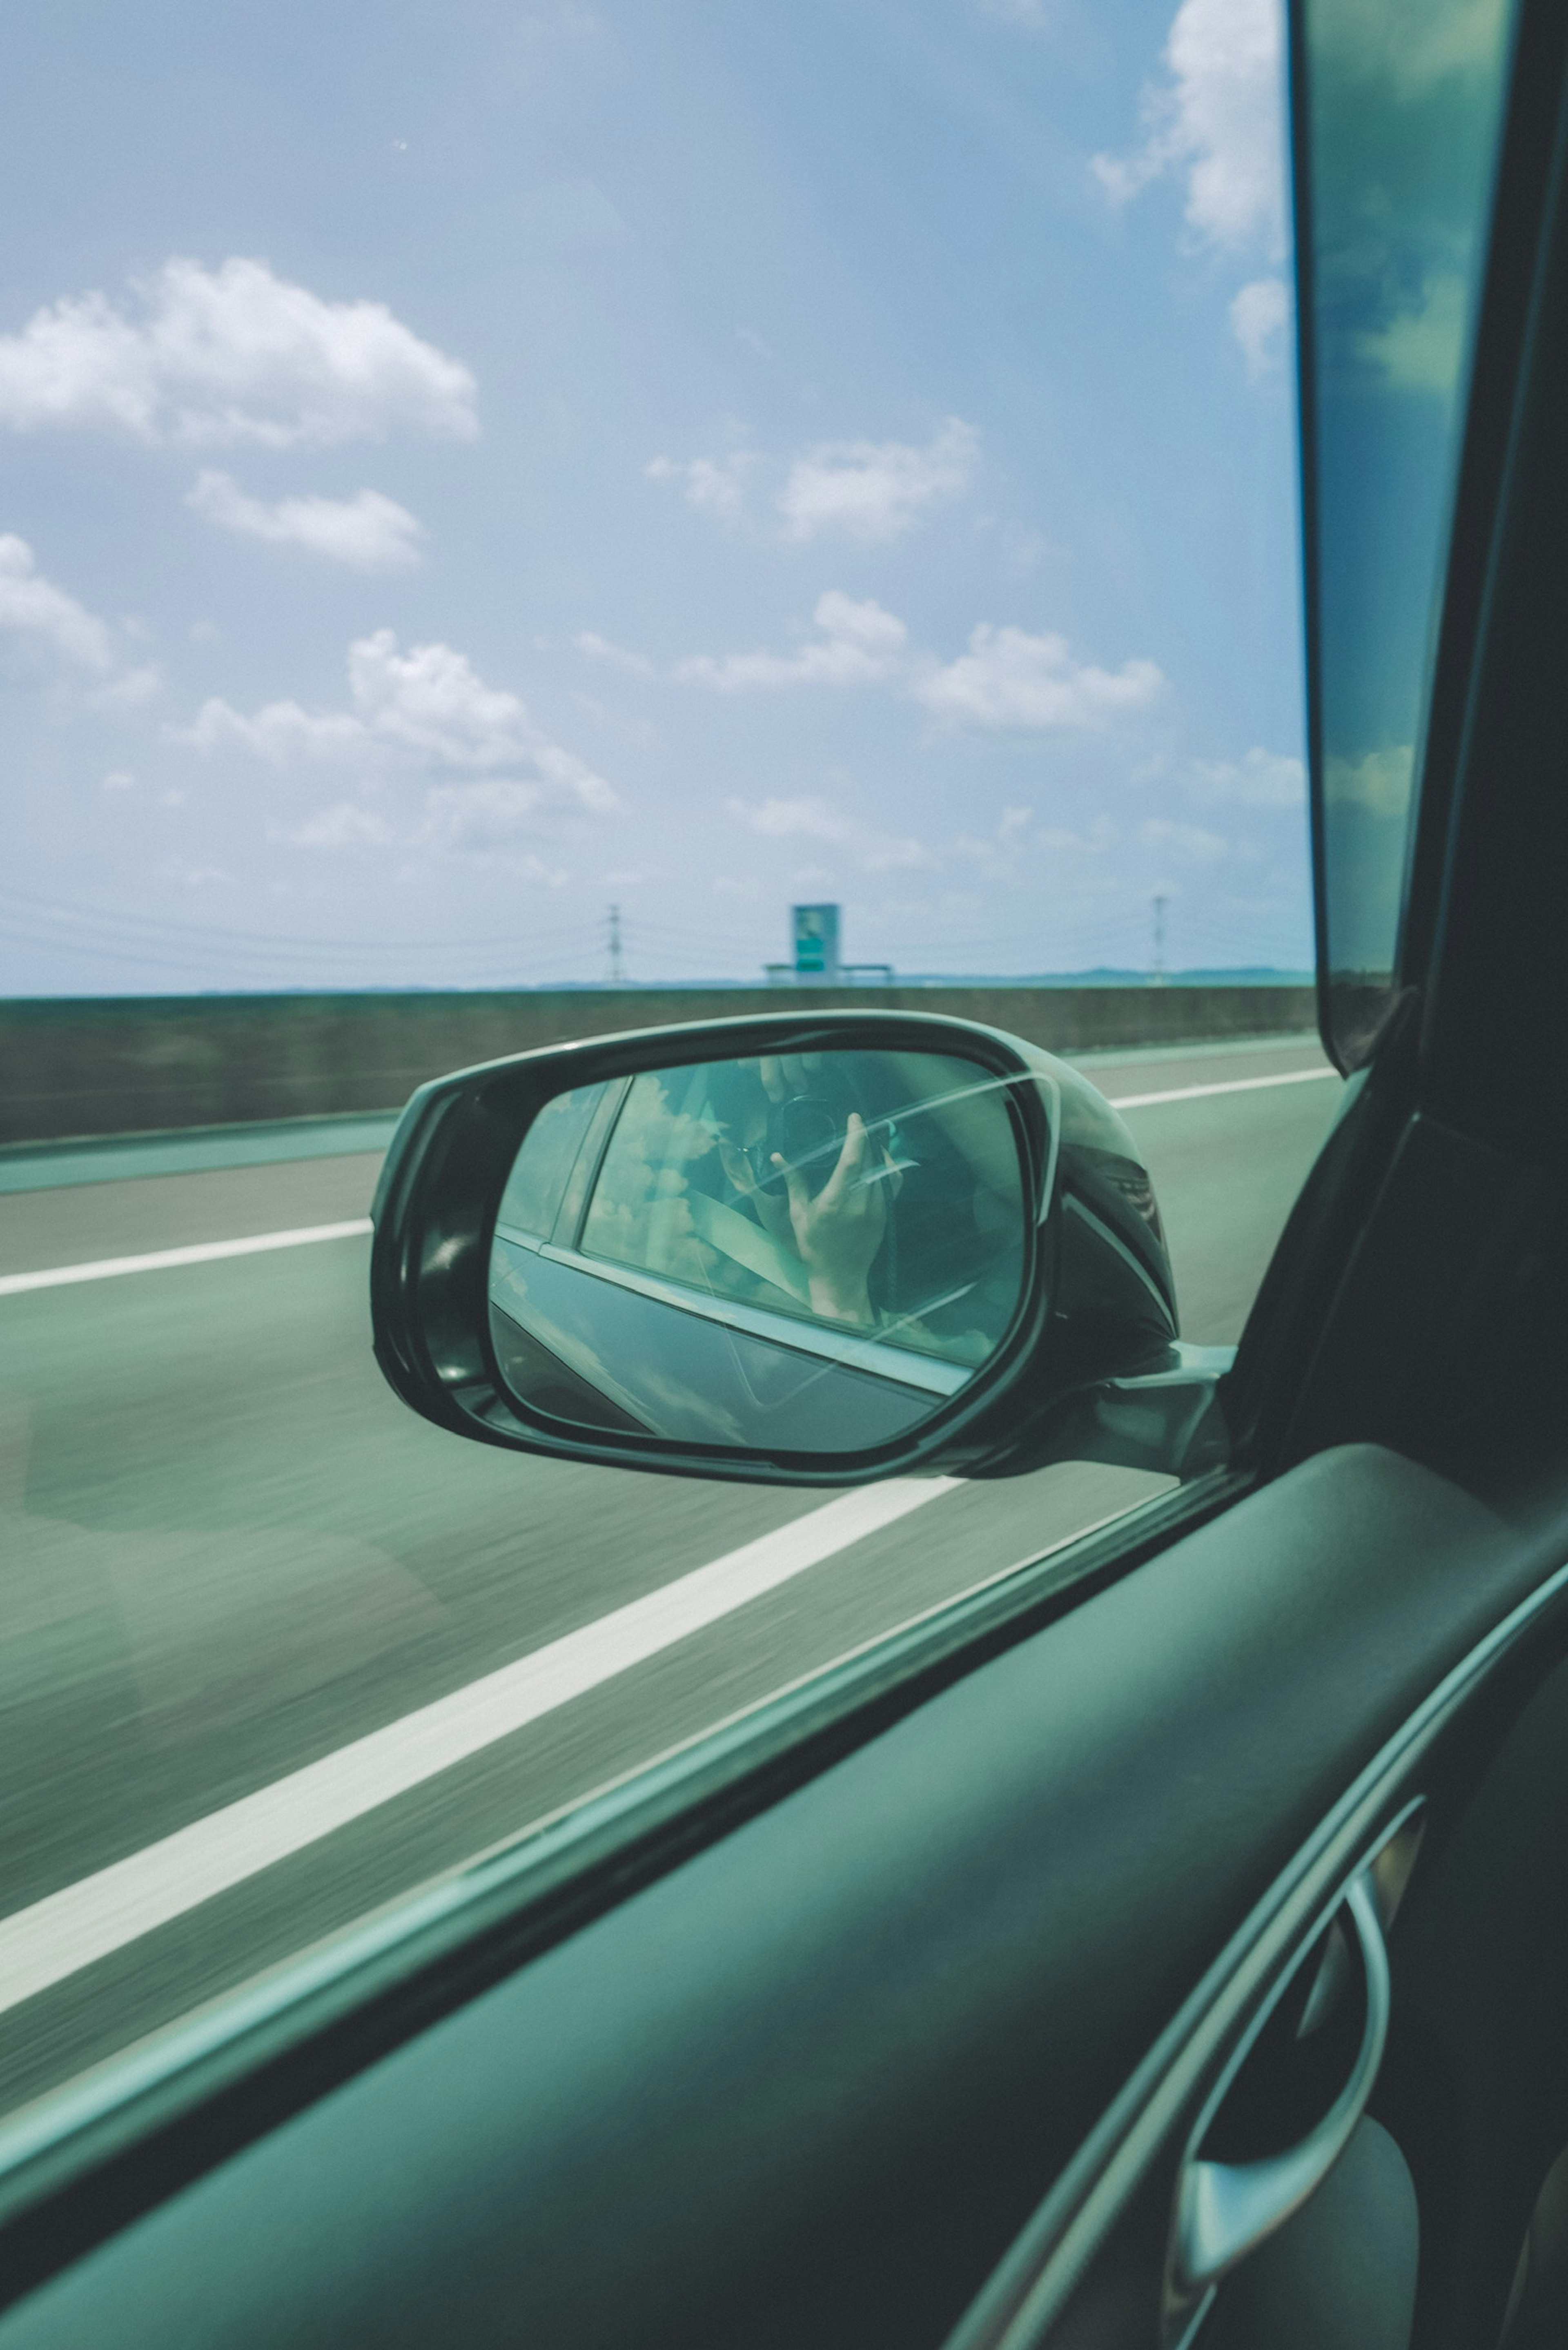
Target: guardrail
<point x="78" y="1065"/>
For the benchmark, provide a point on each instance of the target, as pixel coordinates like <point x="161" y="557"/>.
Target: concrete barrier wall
<point x="121" y="1065"/>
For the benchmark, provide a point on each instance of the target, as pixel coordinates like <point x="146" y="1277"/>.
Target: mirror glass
<point x="806" y="1253"/>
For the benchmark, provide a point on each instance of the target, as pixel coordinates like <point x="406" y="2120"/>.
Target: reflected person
<point x="802" y="1159"/>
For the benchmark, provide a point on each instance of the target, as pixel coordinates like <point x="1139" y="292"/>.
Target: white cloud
<point x="1257" y="314"/>
<point x="996" y="854"/>
<point x="1060" y="839"/>
<point x="870" y="492"/>
<point x="715" y="485"/>
<point x="44" y="619"/>
<point x="433" y="700"/>
<point x="280" y="732"/>
<point x="1007" y="678"/>
<point x="494" y="819"/>
<point x="344" y="826"/>
<point x="1011" y="678"/>
<point x="860" y="644"/>
<point x="1219" y="122"/>
<point x="873" y="490"/>
<point x="490" y="819"/>
<point x="1187" y="841"/>
<point x="810" y="819"/>
<point x="126" y="690"/>
<point x="369" y="531"/>
<point x="884" y="854"/>
<point x="1262" y="779"/>
<point x="599" y="648"/>
<point x="120" y="779"/>
<point x="424" y="711"/>
<point x="230" y="356"/>
<point x="34" y="610"/>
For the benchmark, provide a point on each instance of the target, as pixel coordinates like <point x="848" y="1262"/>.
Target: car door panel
<point x="813" y="2085"/>
<point x="1475" y="2082"/>
<point x="1344" y="2270"/>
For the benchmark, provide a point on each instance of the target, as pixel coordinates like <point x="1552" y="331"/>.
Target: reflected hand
<point x="839" y="1232"/>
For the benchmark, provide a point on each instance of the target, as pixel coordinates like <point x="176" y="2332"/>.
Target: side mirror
<point x="813" y="1249"/>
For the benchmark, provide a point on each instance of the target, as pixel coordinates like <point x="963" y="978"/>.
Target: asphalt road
<point x="230" y="1553"/>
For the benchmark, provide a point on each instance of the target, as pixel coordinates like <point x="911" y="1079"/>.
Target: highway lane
<point x="230" y="1552"/>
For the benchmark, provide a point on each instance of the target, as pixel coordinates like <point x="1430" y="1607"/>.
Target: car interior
<point x="1165" y="1944"/>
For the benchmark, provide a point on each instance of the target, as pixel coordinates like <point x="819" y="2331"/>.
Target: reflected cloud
<point x="1421" y="349"/>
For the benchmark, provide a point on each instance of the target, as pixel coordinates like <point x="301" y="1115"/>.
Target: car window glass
<point x="558" y="520"/>
<point x="1402" y="106"/>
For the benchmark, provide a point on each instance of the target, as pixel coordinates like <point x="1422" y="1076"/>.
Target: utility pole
<point x="1156" y="976"/>
<point x="616" y="968"/>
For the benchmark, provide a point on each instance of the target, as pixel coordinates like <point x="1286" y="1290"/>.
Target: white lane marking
<point x="1233" y="1085"/>
<point x="107" y="1268"/>
<point x="208" y="1252"/>
<point x="87" y="1922"/>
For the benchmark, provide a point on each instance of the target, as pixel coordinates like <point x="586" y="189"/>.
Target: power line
<point x="300" y="978"/>
<point x="168" y="929"/>
<point x="217" y="954"/>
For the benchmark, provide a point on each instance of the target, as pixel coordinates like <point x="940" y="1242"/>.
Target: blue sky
<point x="463" y="467"/>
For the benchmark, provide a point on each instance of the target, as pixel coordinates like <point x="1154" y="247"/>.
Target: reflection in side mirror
<point x="810" y="1252"/>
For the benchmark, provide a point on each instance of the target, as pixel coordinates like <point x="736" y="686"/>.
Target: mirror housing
<point x="1088" y="1367"/>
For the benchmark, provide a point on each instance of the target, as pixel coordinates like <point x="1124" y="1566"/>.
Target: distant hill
<point x="1101" y="975"/>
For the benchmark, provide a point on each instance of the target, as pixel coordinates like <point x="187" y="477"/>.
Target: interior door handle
<point x="1225" y="2207"/>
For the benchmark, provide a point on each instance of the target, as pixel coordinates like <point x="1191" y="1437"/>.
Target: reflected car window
<point x="536" y="1186"/>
